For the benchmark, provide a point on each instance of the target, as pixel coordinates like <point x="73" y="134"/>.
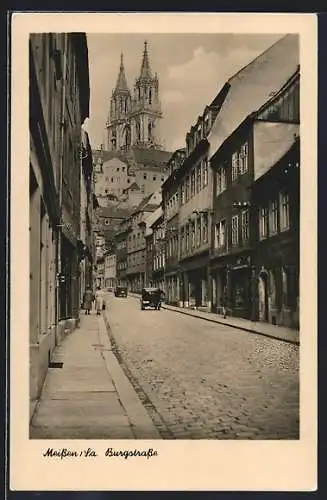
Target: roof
<point x="145" y="72"/>
<point x="133" y="187"/>
<point x="113" y="212"/>
<point x="253" y="85"/>
<point x="150" y="219"/>
<point x="143" y="203"/>
<point x="136" y="155"/>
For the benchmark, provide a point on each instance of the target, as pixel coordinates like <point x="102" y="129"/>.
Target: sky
<point x="191" y="70"/>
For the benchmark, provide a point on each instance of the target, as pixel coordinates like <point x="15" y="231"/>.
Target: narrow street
<point x="202" y="380"/>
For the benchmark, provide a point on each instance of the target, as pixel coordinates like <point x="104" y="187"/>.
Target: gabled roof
<point x="252" y="86"/>
<point x="133" y="187"/>
<point x="112" y="212"/>
<point x="149" y="157"/>
<point x="150" y="219"/>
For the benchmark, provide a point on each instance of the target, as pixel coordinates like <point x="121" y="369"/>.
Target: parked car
<point x="151" y="297"/>
<point x="121" y="291"/>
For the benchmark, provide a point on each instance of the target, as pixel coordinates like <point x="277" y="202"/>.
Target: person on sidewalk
<point x="88" y="298"/>
<point x="99" y="300"/>
<point x="224" y="303"/>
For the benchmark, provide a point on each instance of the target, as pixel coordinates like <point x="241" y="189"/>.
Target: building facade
<point x="110" y="270"/>
<point x="59" y="104"/>
<point x="171" y="204"/>
<point x="136" y="247"/>
<point x="194" y="178"/>
<point x="257" y="145"/>
<point x="86" y="216"/>
<point x="158" y="252"/>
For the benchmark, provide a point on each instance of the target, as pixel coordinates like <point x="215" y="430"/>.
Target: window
<point x="244" y="159"/>
<point x="117" y="169"/>
<point x="144" y="176"/>
<point x="221" y="180"/>
<point x="128" y="181"/>
<point x="198" y="178"/>
<point x="273" y="216"/>
<point x="198" y="231"/>
<point x="182" y="194"/>
<point x="112" y="179"/>
<point x="263" y="223"/>
<point x="193" y="183"/>
<point x="154" y="178"/>
<point x="162" y="179"/>
<point x="123" y="169"/>
<point x="234" y="166"/>
<point x="205" y="228"/>
<point x="245" y="225"/>
<point x="205" y="173"/>
<point x="193" y="235"/>
<point x="284" y="211"/>
<point x="187" y="188"/>
<point x="187" y="236"/>
<point x="220" y="234"/>
<point x="235" y="230"/>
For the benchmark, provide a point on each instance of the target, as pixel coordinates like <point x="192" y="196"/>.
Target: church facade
<point x="134" y="116"/>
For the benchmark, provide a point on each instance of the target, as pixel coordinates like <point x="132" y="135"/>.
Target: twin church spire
<point x="134" y="116"/>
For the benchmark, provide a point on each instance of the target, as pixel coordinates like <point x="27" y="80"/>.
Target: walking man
<point x="88" y="298"/>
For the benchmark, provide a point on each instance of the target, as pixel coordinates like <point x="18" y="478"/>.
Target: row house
<point x="244" y="275"/>
<point x="194" y="201"/>
<point x="86" y="214"/>
<point x="136" y="244"/>
<point x="121" y="253"/>
<point x="58" y="106"/>
<point x="110" y="270"/>
<point x="170" y="202"/>
<point x="158" y="252"/>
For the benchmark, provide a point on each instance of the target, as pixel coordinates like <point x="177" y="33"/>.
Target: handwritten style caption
<point x="63" y="453"/>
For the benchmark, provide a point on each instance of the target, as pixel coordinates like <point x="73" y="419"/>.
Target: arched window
<point x="150" y="96"/>
<point x="150" y="131"/>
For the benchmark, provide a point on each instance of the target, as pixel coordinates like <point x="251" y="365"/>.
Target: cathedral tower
<point x="145" y="113"/>
<point x="118" y="128"/>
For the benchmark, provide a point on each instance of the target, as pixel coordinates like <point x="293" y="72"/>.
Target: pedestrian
<point x="88" y="298"/>
<point x="99" y="300"/>
<point x="224" y="303"/>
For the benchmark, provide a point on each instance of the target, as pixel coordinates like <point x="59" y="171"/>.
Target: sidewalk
<point x="260" y="328"/>
<point x="90" y="397"/>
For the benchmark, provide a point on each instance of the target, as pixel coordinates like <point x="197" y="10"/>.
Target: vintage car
<point x="120" y="291"/>
<point x="151" y="297"/>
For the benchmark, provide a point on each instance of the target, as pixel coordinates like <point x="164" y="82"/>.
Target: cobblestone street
<point x="208" y="381"/>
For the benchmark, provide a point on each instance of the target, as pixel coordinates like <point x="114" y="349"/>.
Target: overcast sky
<point x="191" y="70"/>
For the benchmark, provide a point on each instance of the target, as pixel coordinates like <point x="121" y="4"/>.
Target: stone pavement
<point x="90" y="397"/>
<point x="260" y="328"/>
<point x="207" y="380"/>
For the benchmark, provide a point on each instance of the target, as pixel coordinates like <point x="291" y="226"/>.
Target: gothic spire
<point x="121" y="85"/>
<point x="145" y="67"/>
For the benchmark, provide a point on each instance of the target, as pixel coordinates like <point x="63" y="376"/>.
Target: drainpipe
<point x="61" y="162"/>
